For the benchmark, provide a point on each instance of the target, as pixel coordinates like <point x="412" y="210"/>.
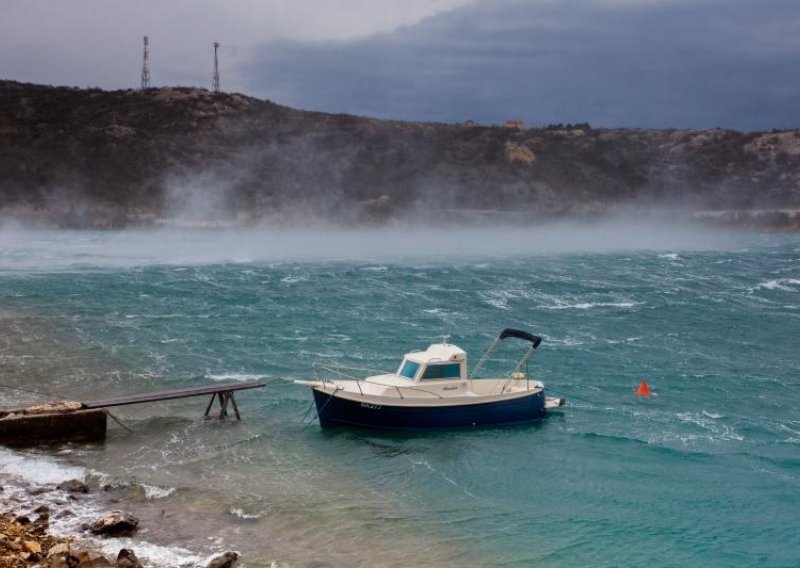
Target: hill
<point x="87" y="157"/>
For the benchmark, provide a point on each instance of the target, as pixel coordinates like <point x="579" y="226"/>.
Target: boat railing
<point x="400" y="389"/>
<point x="516" y="377"/>
<point x="347" y="373"/>
<point x="342" y="372"/>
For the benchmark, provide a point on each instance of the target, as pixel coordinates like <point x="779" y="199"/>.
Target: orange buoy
<point x="643" y="390"/>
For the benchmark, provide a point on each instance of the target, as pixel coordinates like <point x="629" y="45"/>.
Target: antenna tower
<point x="216" y="68"/>
<point x="146" y="65"/>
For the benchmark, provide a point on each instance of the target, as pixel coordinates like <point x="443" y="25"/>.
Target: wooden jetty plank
<point x="173" y="394"/>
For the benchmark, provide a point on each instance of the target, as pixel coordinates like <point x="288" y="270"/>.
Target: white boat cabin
<point x="440" y="362"/>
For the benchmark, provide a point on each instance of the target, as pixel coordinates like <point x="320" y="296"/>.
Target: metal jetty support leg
<point x="235" y="408"/>
<point x="223" y="405"/>
<point x="210" y="402"/>
<point x="224" y="398"/>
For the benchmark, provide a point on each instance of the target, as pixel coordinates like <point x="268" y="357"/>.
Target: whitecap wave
<point x="568" y="341"/>
<point x="589" y="305"/>
<point x="37" y="469"/>
<point x="498" y="299"/>
<point x="626" y="340"/>
<point x="240" y="377"/>
<point x="152" y="492"/>
<point x="240" y="513"/>
<point x="794" y="435"/>
<point x="782" y="284"/>
<point x="717" y="431"/>
<point x="155" y="554"/>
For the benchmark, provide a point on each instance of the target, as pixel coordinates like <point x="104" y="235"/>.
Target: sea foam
<point x="37" y="469"/>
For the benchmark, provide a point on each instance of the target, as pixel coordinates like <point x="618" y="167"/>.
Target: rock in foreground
<point x="227" y="559"/>
<point x="115" y="523"/>
<point x="20" y="545"/>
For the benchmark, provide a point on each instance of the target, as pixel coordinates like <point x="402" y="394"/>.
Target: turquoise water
<point x="706" y="472"/>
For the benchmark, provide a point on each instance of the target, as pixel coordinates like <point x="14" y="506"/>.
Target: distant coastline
<point x="783" y="220"/>
<point x="769" y="220"/>
<point x="94" y="159"/>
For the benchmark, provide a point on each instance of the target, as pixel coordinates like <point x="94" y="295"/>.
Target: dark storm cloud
<point x="669" y="63"/>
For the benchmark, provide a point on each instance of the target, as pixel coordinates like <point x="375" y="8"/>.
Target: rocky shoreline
<point x="39" y="527"/>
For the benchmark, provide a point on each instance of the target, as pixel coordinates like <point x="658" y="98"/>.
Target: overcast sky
<point x="613" y="63"/>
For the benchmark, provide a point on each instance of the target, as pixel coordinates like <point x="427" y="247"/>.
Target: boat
<point x="432" y="389"/>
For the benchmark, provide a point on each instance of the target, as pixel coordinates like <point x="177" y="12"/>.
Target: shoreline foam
<point x="30" y="482"/>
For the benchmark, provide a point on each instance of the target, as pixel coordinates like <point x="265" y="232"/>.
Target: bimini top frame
<point x="535" y="340"/>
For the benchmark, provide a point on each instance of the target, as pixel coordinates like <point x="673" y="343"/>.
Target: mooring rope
<point x="305" y="420"/>
<point x="58" y="397"/>
<point x="569" y="396"/>
<point x="31" y="391"/>
<point x="117" y="420"/>
<point x="319" y="412"/>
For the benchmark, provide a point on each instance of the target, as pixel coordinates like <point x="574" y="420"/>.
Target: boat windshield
<point x="408" y="369"/>
<point x="442" y="371"/>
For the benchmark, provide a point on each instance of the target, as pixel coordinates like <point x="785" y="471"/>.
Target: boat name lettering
<point x="450" y="388"/>
<point x="370" y="405"/>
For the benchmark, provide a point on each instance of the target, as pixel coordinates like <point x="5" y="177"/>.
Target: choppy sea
<point x="705" y="472"/>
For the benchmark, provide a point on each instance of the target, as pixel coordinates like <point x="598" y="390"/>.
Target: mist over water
<point x="43" y="250"/>
<point x="708" y="319"/>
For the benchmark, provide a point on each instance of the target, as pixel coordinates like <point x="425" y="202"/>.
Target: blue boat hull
<point x="337" y="411"/>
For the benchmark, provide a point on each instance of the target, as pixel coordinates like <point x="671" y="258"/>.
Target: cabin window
<point x="446" y="371"/>
<point x="408" y="369"/>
